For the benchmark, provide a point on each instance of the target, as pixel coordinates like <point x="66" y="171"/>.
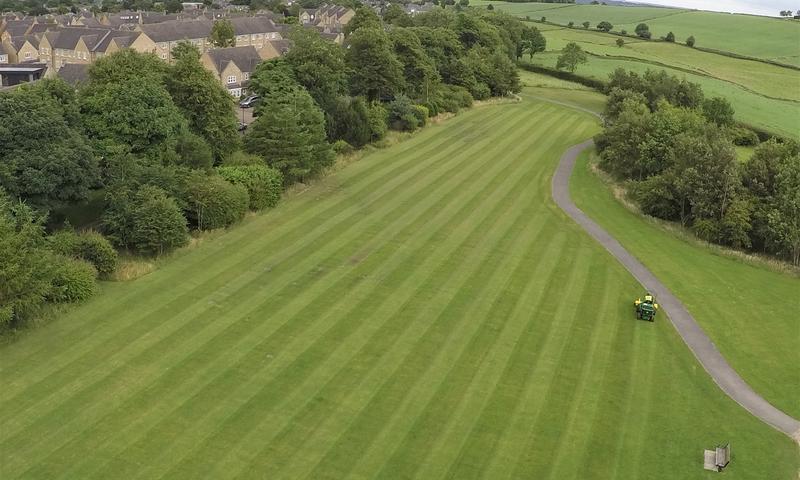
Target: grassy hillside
<point x="426" y="312"/>
<point x="762" y="37"/>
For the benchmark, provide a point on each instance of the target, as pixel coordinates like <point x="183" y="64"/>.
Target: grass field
<point x="761" y="37"/>
<point x="426" y="312"/>
<point x="763" y="95"/>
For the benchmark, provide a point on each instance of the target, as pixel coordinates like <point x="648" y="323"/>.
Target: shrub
<point x="64" y="242"/>
<point x="670" y="37"/>
<point x="215" y="202"/>
<point x="73" y="280"/>
<point x="422" y="114"/>
<point x="623" y="32"/>
<point x="157" y="223"/>
<point x="242" y="158"/>
<point x="96" y="249"/>
<point x="378" y="116"/>
<point x="264" y="184"/>
<point x="571" y="24"/>
<point x="620" y="42"/>
<point x="402" y="114"/>
<point x="194" y="152"/>
<point x="341" y="147"/>
<point x="690" y="41"/>
<point x="743" y="137"/>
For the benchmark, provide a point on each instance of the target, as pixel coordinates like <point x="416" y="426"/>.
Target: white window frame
<point x="245" y="75"/>
<point x="231" y="79"/>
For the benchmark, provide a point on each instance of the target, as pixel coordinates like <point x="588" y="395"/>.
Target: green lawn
<point x="754" y="36"/>
<point x="426" y="312"/>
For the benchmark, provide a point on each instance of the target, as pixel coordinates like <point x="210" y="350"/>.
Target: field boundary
<point x="690" y="331"/>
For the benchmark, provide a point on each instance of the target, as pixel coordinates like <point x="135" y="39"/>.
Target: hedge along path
<point x="410" y="194"/>
<point x="695" y="338"/>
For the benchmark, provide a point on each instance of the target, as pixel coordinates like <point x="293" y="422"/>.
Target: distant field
<point x="762" y="37"/>
<point x="426" y="312"/>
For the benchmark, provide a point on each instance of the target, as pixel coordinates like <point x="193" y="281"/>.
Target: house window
<point x="27" y="55"/>
<point x="163" y="56"/>
<point x="3" y="59"/>
<point x="246" y="75"/>
<point x="231" y="78"/>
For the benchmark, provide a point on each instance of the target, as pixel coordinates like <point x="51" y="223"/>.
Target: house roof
<point x="3" y="49"/>
<point x="18" y="42"/>
<point x="74" y="73"/>
<point x="16" y="28"/>
<point x="177" y="30"/>
<point x="156" y="18"/>
<point x="281" y="46"/>
<point x="91" y="22"/>
<point x="245" y="58"/>
<point x="250" y="25"/>
<point x="67" y="38"/>
<point x="121" y="37"/>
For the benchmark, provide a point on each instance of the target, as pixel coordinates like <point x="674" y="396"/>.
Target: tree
<point x="395" y="15"/>
<point x="365" y="17"/>
<point x="620" y="42"/>
<point x="643" y="31"/>
<point x="719" y="111"/>
<point x="290" y="135"/>
<point x="273" y="78"/>
<point x="490" y="7"/>
<point x="586" y="25"/>
<point x="670" y="37"/>
<point x="222" y="34"/>
<point x="158" y="226"/>
<point x="690" y="41"/>
<point x="571" y="56"/>
<point x="376" y="71"/>
<point x="26" y="264"/>
<point x="419" y="72"/>
<point x="205" y="103"/>
<point x="173" y="6"/>
<point x="214" y="202"/>
<point x="533" y="41"/>
<point x="570" y="24"/>
<point x="264" y="184"/>
<point x="318" y="65"/>
<point x="61" y="169"/>
<point x="605" y="26"/>
<point x="463" y="3"/>
<point x="194" y="152"/>
<point x="784" y="216"/>
<point x="125" y="64"/>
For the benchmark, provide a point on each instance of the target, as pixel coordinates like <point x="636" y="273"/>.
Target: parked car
<point x="242" y="126"/>
<point x="250" y="102"/>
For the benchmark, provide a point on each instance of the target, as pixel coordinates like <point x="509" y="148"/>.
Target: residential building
<point x="22" y="49"/>
<point x="3" y="54"/>
<point x="331" y="16"/>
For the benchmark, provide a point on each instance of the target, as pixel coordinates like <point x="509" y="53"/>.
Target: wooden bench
<point x="718" y="458"/>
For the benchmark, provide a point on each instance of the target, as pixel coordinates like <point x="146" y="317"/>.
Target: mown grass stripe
<point x="326" y="302"/>
<point x="418" y="195"/>
<point x="243" y="232"/>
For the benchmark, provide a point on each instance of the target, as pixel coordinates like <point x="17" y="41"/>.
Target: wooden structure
<point x="718" y="458"/>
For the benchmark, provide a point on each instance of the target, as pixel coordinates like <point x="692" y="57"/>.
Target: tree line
<point x="160" y="143"/>
<point x="676" y="151"/>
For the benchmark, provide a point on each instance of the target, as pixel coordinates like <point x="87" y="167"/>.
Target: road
<point x="695" y="338"/>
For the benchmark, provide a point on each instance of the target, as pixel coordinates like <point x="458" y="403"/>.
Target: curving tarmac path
<point x="695" y="338"/>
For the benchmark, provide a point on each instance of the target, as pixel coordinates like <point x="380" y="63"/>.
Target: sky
<point x="762" y="7"/>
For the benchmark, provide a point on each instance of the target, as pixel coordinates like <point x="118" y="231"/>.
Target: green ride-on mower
<point x="646" y="309"/>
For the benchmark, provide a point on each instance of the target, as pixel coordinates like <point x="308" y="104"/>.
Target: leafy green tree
<point x="290" y="136"/>
<point x="73" y="280"/>
<point x="690" y="41"/>
<point x="643" y="31"/>
<point x="206" y="105"/>
<point x="61" y="169"/>
<point x="349" y="121"/>
<point x="124" y="64"/>
<point x="194" y="152"/>
<point x="533" y="41"/>
<point x="222" y="34"/>
<point x="173" y="6"/>
<point x="620" y="42"/>
<point x="718" y="110"/>
<point x="605" y="26"/>
<point x="419" y="72"/>
<point x="264" y="184"/>
<point x="157" y="224"/>
<point x="490" y="7"/>
<point x="395" y="15"/>
<point x="586" y="25"/>
<point x="365" y="17"/>
<point x="670" y="37"/>
<point x="473" y="30"/>
<point x="26" y="264"/>
<point x="273" y="78"/>
<point x="318" y="65"/>
<point x="571" y="56"/>
<point x="376" y="71"/>
<point x="783" y="218"/>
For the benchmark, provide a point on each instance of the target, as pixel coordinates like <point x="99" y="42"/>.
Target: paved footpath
<point x="698" y="342"/>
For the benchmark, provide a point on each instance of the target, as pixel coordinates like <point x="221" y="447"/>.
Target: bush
<point x="743" y="137"/>
<point x="242" y="158"/>
<point x="451" y="98"/>
<point x="341" y="147"/>
<point x="690" y="41"/>
<point x="670" y="37"/>
<point x="96" y="249"/>
<point x="73" y="280"/>
<point x="215" y="202"/>
<point x="194" y="152"/>
<point x="422" y="114"/>
<point x="403" y="115"/>
<point x="378" y="116"/>
<point x="264" y="184"/>
<point x="90" y="246"/>
<point x="157" y="223"/>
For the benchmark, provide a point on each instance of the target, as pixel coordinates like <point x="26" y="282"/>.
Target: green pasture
<point x="755" y="36"/>
<point x="425" y="312"/>
<point x="778" y="116"/>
